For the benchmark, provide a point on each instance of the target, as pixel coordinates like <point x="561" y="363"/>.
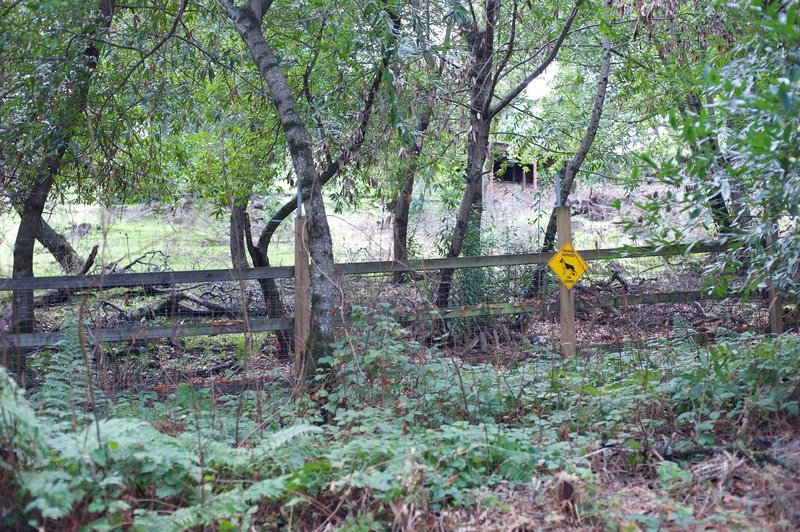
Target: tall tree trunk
<point x="402" y="204"/>
<point x="483" y="79"/>
<point x="29" y="226"/>
<point x="719" y="210"/>
<point x="58" y="246"/>
<point x="572" y="168"/>
<point x="741" y="217"/>
<point x="247" y="21"/>
<point x="237" y="239"/>
<point x="481" y="47"/>
<point x="269" y="289"/>
<point x="470" y="210"/>
<point x="32" y="207"/>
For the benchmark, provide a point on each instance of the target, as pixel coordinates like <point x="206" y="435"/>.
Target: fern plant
<point x="69" y="392"/>
<point x="22" y="439"/>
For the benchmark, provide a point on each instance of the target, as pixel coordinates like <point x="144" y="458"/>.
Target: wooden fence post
<point x="302" y="292"/>
<point x="775" y="299"/>
<point x="566" y="297"/>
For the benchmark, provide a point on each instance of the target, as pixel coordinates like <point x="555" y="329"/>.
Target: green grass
<point x="190" y="240"/>
<point x="193" y="239"/>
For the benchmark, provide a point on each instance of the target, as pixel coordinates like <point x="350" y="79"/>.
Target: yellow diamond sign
<point x="568" y="265"/>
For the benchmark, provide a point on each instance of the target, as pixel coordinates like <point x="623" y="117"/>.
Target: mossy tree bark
<point x="43" y="179"/>
<point x="237" y="239"/>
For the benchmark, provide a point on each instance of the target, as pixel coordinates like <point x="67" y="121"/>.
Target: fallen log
<point x="59" y="295"/>
<point x="50" y="297"/>
<point x="170" y="305"/>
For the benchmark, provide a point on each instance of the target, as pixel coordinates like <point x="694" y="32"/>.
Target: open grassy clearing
<point x="186" y="237"/>
<point x="192" y="238"/>
<point x="680" y="436"/>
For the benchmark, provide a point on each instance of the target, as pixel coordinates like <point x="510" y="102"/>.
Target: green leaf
<point x="162" y="492"/>
<point x="98" y="457"/>
<point x="725" y="190"/>
<point x="787" y="102"/>
<point x="792" y="407"/>
<point x="673" y="119"/>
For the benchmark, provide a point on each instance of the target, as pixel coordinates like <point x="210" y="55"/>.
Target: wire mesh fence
<point x="491" y="299"/>
<point x="488" y="304"/>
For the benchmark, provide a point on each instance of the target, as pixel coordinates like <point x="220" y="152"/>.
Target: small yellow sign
<point x="568" y="265"/>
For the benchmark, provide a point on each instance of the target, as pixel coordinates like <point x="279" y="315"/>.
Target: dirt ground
<point x="750" y="489"/>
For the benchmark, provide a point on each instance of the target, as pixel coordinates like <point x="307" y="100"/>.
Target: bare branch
<point x="333" y="168"/>
<point x="504" y="61"/>
<point x="158" y="45"/>
<point x="10" y="8"/>
<point x="502" y="104"/>
<point x="594" y="121"/>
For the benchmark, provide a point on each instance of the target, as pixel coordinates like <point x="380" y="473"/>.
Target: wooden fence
<point x="141" y="333"/>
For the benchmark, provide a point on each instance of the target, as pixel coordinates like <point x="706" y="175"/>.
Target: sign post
<point x="568" y="265"/>
<point x="302" y="288"/>
<point x="775" y="299"/>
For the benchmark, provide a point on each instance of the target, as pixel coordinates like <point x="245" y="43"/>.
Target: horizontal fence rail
<point x="116" y="280"/>
<point x="539" y="306"/>
<point x="144" y="333"/>
<point x="119" y="280"/>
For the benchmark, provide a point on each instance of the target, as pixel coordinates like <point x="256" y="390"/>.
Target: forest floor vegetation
<point x="400" y="435"/>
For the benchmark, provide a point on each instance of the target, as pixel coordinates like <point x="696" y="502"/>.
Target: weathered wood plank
<point x="566" y="297"/>
<point x="649" y="299"/>
<point x="358" y="268"/>
<point x="131" y="334"/>
<point x="536" y="306"/>
<point x="302" y="292"/>
<point x="127" y="334"/>
<point x="200" y="276"/>
<point x="523" y="259"/>
<point x="116" y="280"/>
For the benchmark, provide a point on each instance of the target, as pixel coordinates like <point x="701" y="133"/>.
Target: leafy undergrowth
<point x="401" y="436"/>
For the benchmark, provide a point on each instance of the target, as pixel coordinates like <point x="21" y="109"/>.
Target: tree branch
<point x="333" y="168"/>
<point x="502" y="104"/>
<point x="572" y="168"/>
<point x="504" y="61"/>
<point x="594" y="122"/>
<point x="10" y="8"/>
<point x="326" y="149"/>
<point x="259" y="8"/>
<point x="158" y="45"/>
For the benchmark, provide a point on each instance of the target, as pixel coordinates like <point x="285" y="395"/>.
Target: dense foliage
<point x="404" y="433"/>
<point x="747" y="132"/>
<point x="346" y="103"/>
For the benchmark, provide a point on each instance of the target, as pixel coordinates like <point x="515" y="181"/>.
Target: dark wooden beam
<point x="357" y="268"/>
